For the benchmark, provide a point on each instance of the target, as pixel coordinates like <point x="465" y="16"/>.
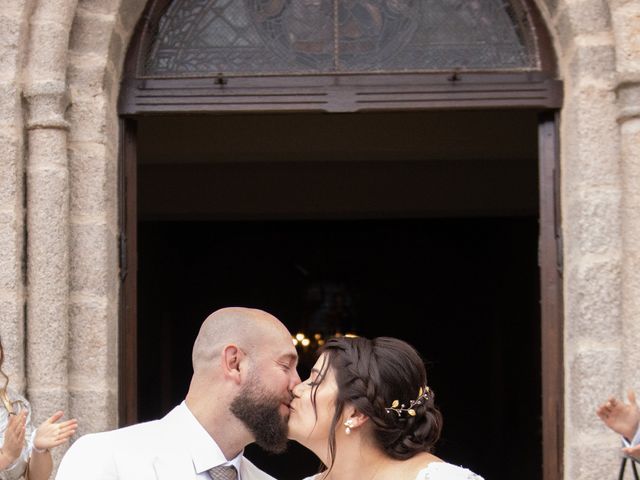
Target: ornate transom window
<point x="271" y="37"/>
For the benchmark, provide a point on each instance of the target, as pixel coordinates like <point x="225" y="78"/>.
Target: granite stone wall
<point x="60" y="68"/>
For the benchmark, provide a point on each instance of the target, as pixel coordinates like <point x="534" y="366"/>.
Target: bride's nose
<point x="297" y="390"/>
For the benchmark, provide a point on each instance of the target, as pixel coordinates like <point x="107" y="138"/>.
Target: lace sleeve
<point x="17" y="468"/>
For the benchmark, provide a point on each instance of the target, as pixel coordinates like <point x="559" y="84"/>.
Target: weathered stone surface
<point x="594" y="298"/>
<point x="626" y="18"/>
<point x="590" y="381"/>
<point x="72" y="203"/>
<point x="93" y="346"/>
<point x="94" y="262"/>
<point x="12" y="334"/>
<point x="87" y="117"/>
<point x="595" y="221"/>
<point x="590" y="146"/>
<point x="582" y="17"/>
<point x="46" y="64"/>
<point x="10" y="108"/>
<point x="11" y="248"/>
<point x="95" y="409"/>
<point x="91" y="33"/>
<point x="9" y="46"/>
<point x="581" y="458"/>
<point x="11" y="169"/>
<point x="593" y="61"/>
<point x="93" y="179"/>
<point x="129" y="14"/>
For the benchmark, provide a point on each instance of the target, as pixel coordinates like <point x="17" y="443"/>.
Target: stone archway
<point x="64" y="59"/>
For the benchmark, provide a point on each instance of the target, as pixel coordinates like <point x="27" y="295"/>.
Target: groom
<point x="244" y="370"/>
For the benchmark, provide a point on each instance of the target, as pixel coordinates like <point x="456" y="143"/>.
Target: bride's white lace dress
<point x="435" y="471"/>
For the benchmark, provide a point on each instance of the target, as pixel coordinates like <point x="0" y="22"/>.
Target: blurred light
<point x="299" y="336"/>
<point x="305" y="342"/>
<point x="351" y="335"/>
<point x="317" y="336"/>
<point x="295" y="342"/>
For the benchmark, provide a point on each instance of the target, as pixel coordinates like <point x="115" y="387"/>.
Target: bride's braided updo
<point x="370" y="375"/>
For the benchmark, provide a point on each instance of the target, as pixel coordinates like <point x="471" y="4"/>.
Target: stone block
<point x="60" y="12"/>
<point x="91" y="33"/>
<point x="12" y="335"/>
<point x="582" y="17"/>
<point x="47" y="149"/>
<point x="10" y="108"/>
<point x="589" y="461"/>
<point x="86" y="75"/>
<point x="94" y="260"/>
<point x="103" y="7"/>
<point x="11" y="169"/>
<point x="128" y="16"/>
<point x="629" y="103"/>
<point x="95" y="409"/>
<point x="630" y="151"/>
<point x="117" y="50"/>
<point x="9" y="50"/>
<point x="11" y="248"/>
<point x="87" y="116"/>
<point x="93" y="346"/>
<point x="593" y="220"/>
<point x="45" y="401"/>
<point x="593" y="375"/>
<point x="47" y="339"/>
<point x="552" y="5"/>
<point x="626" y="17"/>
<point x="47" y="54"/>
<point x="593" y="299"/>
<point x="597" y="62"/>
<point x="14" y="8"/>
<point x="590" y="147"/>
<point x="93" y="185"/>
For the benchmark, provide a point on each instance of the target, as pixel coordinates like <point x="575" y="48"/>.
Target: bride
<point x="366" y="411"/>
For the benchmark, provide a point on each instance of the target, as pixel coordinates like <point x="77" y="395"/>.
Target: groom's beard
<point x="261" y="415"/>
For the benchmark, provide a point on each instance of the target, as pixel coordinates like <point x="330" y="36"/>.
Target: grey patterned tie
<point x="223" y="472"/>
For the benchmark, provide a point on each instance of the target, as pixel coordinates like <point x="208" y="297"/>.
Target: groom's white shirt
<point x="176" y="447"/>
<point x="634" y="441"/>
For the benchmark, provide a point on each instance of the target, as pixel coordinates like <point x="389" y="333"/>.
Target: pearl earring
<point x="348" y="426"/>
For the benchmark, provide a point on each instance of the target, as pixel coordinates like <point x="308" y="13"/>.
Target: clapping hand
<point x="14" y="436"/>
<point x="622" y="418"/>
<point x="50" y="433"/>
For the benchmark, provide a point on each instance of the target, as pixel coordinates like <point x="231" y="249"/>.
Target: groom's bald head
<point x="248" y="328"/>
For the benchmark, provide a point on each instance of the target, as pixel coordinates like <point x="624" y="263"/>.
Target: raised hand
<point x="622" y="418"/>
<point x="14" y="436"/>
<point x="50" y="433"/>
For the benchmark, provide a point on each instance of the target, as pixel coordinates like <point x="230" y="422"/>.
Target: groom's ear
<point x="232" y="363"/>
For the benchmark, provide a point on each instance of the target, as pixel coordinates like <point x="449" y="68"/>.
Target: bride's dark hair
<point x="370" y="375"/>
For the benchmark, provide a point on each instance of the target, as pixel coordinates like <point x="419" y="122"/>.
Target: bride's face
<point x="310" y="426"/>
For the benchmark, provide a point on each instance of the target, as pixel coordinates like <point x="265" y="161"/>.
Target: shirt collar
<point x="204" y="450"/>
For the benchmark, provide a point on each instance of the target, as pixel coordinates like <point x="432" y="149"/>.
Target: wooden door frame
<point x="538" y="90"/>
<point x="551" y="299"/>
<point x="550" y="263"/>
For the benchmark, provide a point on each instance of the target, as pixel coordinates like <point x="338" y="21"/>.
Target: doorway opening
<point x="424" y="223"/>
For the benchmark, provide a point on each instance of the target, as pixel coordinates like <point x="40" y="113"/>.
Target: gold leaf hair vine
<point x="423" y="396"/>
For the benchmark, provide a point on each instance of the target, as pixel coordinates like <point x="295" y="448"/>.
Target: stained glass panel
<point x="259" y="37"/>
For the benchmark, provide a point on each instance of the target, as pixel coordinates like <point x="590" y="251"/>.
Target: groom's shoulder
<point x="121" y="438"/>
<point x="253" y="472"/>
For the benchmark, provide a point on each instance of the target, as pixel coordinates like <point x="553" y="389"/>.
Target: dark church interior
<point x="421" y="226"/>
